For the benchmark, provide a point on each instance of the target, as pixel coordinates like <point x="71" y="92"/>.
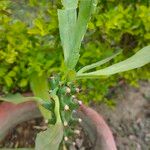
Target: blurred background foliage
<point x="29" y="42"/>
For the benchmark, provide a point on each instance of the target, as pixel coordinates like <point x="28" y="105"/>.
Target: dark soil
<point x="24" y="134"/>
<point x="129" y="121"/>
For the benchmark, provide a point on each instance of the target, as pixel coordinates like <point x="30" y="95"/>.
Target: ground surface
<point x="129" y="121"/>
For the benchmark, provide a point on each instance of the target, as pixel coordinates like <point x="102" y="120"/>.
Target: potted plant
<point x="58" y="105"/>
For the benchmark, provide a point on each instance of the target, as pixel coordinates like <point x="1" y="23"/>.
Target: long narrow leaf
<point x="18" y="98"/>
<point x="67" y="19"/>
<point x="97" y="64"/>
<point x="86" y="8"/>
<point x="140" y="59"/>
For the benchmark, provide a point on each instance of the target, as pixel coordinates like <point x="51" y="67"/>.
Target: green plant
<point x="115" y="27"/>
<point x="32" y="51"/>
<point x="23" y="40"/>
<point x="58" y="105"/>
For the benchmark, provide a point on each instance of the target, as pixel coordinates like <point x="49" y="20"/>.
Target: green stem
<point x="57" y="107"/>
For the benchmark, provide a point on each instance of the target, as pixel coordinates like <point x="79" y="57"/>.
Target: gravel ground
<point x="130" y="119"/>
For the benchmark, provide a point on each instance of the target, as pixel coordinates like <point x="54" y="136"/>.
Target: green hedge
<point x="29" y="42"/>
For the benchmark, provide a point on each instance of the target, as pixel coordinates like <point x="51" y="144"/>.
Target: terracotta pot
<point x="12" y="114"/>
<point x="97" y="129"/>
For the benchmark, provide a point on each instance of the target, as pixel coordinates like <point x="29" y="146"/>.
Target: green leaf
<point x="72" y="30"/>
<point x="23" y="82"/>
<point x="99" y="63"/>
<point x="39" y="86"/>
<point x="86" y="8"/>
<point x="34" y="31"/>
<point x="140" y="59"/>
<point x="70" y="4"/>
<point x="8" y="80"/>
<point x="52" y="137"/>
<point x="18" y="98"/>
<point x="67" y="20"/>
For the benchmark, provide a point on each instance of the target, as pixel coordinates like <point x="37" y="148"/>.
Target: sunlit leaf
<point x="86" y="7"/>
<point x="52" y="137"/>
<point x="97" y="64"/>
<point x="34" y="31"/>
<point x="67" y="19"/>
<point x="72" y="30"/>
<point x="139" y="59"/>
